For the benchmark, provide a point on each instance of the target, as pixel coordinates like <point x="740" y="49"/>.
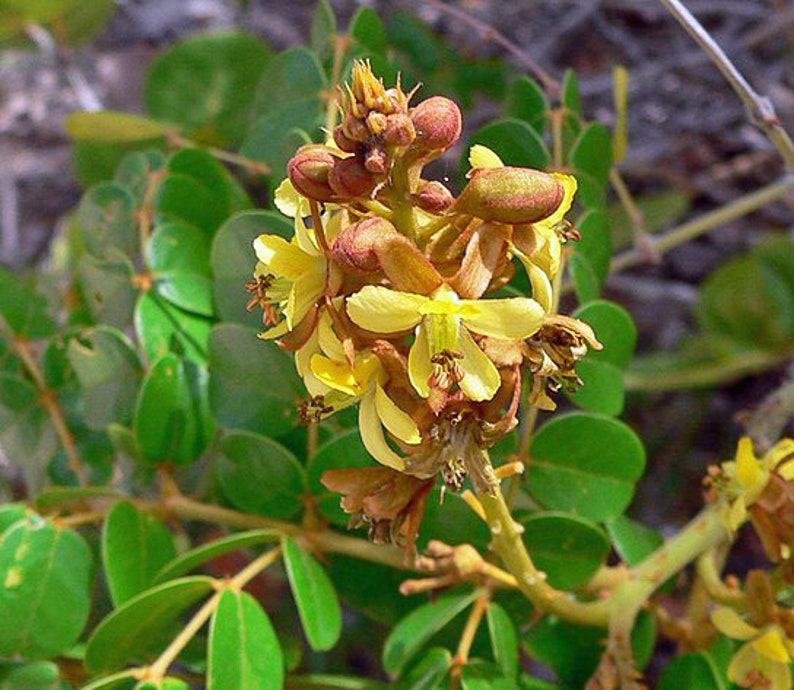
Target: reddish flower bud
<point x="433" y="197"/>
<point x="438" y="125"/>
<point x="376" y="161"/>
<point x="511" y="195"/>
<point x="399" y="130"/>
<point x="344" y="142"/>
<point x="376" y="122"/>
<point x="350" y="179"/>
<point x="354" y="248"/>
<point x="355" y="128"/>
<point x="309" y="170"/>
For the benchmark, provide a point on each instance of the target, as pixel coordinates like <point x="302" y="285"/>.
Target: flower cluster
<point x="388" y="295"/>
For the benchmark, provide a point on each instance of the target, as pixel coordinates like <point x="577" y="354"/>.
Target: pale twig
<point x="759" y="107"/>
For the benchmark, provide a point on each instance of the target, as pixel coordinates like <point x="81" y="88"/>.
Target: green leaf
<point x="592" y="193"/>
<point x="571" y="98"/>
<point x="602" y="370"/>
<point x="108" y="289"/>
<point x="233" y="260"/>
<point x="614" y="328"/>
<point x="368" y="30"/>
<point x="451" y="519"/>
<point x="83" y="21"/>
<point x="172" y="420"/>
<point x="244" y="652"/>
<point x="482" y="675"/>
<point x="345" y="451"/>
<point x="200" y="555"/>
<point x="411" y="634"/>
<point x="179" y="258"/>
<point x="514" y="141"/>
<point x="107" y="218"/>
<point x="253" y="384"/>
<point x="585" y="464"/>
<point x="10" y="514"/>
<point x="164" y="684"/>
<point x="323" y="30"/>
<point x="206" y="85"/>
<point x="181" y="197"/>
<point x="113" y="126"/>
<point x="620" y="94"/>
<point x="207" y="170"/>
<point x="260" y="476"/>
<point x="123" y="678"/>
<point x="504" y="639"/>
<point x="139" y="628"/>
<point x="315" y="597"/>
<point x="527" y="101"/>
<point x="54" y="497"/>
<point x="97" y="161"/>
<point x="294" y="75"/>
<point x="643" y="638"/>
<point x="633" y="540"/>
<point x="572" y="651"/>
<point x="592" y="152"/>
<point x="428" y="673"/>
<point x="39" y="675"/>
<point x="275" y="136"/>
<point x="594" y="250"/>
<point x="749" y="301"/>
<point x="137" y="170"/>
<point x="691" y="672"/>
<point x="134" y="547"/>
<point x="24" y="310"/>
<point x="47" y="576"/>
<point x="109" y="372"/>
<point x="162" y="328"/>
<point x="569" y="549"/>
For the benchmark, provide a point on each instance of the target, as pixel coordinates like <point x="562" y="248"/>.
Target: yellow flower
<point x="363" y="382"/>
<point x="541" y="259"/>
<point x="747" y="477"/>
<point x="766" y="655"/>
<point x="295" y="271"/>
<point x="444" y="350"/>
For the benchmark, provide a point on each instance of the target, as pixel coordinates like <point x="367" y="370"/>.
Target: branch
<point x="759" y="107"/>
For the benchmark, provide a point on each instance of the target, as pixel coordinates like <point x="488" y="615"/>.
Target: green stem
<point x="705" y="223"/>
<point x="402" y="208"/>
<point x="509" y="545"/>
<point x="706" y="373"/>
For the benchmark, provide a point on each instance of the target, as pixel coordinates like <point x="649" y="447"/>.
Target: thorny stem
<point x="705" y="223"/>
<point x="160" y="667"/>
<point x="49" y="401"/>
<point x="759" y="107"/>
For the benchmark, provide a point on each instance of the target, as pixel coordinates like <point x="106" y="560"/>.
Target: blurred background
<point x="692" y="147"/>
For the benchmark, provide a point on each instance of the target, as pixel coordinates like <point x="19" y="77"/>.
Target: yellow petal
<point x="419" y="366"/>
<point x="442" y="333"/>
<point x="283" y="258"/>
<point x="770" y="644"/>
<point x="277" y="331"/>
<point x="327" y="340"/>
<point x="480" y="375"/>
<point x="304" y="238"/>
<point x="397" y="421"/>
<point x="737" y="515"/>
<point x="372" y="437"/>
<point x="514" y="318"/>
<point x="382" y="310"/>
<point x="542" y="291"/>
<point x="336" y="375"/>
<point x="482" y="157"/>
<point x="744" y="662"/>
<point x="748" y="469"/>
<point x="569" y="186"/>
<point x="289" y="201"/>
<point x="304" y="295"/>
<point x="548" y="249"/>
<point x="781" y="457"/>
<point x="731" y="624"/>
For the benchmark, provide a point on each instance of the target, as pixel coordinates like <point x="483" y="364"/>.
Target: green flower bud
<point x="511" y="195"/>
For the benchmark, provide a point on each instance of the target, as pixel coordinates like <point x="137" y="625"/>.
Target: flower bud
<point x="438" y="125"/>
<point x="433" y="197"/>
<point x="350" y="179"/>
<point x="376" y="122"/>
<point x="355" y="128"/>
<point x="376" y="161"/>
<point x="510" y="195"/>
<point x="399" y="130"/>
<point x="354" y="248"/>
<point x="309" y="170"/>
<point x="344" y="142"/>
